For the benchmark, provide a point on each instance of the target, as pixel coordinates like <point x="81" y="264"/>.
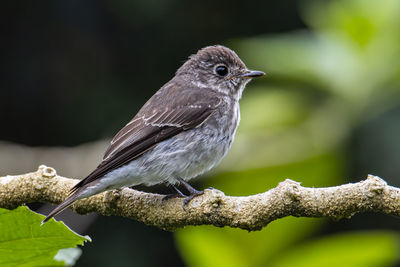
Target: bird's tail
<point x="68" y="202"/>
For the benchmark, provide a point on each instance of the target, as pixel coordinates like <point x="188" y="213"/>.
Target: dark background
<point x="94" y="63"/>
<point x="77" y="71"/>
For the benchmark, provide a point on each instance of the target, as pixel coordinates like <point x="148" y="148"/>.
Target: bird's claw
<point x="189" y="198"/>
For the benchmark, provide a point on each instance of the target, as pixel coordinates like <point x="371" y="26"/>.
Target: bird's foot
<point x="193" y="192"/>
<point x="192" y="195"/>
<point x="177" y="193"/>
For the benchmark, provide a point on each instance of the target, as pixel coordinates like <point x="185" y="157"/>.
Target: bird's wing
<point x="151" y="126"/>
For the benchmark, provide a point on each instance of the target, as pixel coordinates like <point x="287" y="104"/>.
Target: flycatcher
<point x="183" y="130"/>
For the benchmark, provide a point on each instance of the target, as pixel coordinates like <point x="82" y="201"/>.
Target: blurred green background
<point x="327" y="113"/>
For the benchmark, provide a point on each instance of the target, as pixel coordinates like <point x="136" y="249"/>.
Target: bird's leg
<point x="177" y="193"/>
<point x="193" y="192"/>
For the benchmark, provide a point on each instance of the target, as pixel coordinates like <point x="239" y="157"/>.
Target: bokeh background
<point x="327" y="113"/>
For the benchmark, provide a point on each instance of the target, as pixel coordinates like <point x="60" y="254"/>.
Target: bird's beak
<point x="251" y="74"/>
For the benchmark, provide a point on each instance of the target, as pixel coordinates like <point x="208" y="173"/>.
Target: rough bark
<point x="213" y="207"/>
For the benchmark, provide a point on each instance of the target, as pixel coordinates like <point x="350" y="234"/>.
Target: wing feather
<point x="151" y="126"/>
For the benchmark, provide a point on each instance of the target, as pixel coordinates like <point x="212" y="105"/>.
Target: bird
<point x="185" y="129"/>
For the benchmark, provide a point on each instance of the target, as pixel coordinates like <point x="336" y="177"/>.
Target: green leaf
<point x="372" y="248"/>
<point x="25" y="242"/>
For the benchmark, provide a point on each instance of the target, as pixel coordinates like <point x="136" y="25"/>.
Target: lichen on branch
<point x="254" y="212"/>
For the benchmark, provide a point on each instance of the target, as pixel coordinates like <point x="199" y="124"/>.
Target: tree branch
<point x="213" y="207"/>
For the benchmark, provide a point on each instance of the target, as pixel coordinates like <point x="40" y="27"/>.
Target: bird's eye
<point x="221" y="70"/>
